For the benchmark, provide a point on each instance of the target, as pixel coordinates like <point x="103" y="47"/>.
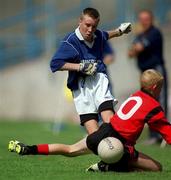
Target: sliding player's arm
<point x="160" y="124"/>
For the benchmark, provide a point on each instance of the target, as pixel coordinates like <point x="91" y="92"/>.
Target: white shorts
<point x="92" y="92"/>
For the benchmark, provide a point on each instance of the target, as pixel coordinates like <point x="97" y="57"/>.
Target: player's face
<point x="88" y="26"/>
<point x="145" y="20"/>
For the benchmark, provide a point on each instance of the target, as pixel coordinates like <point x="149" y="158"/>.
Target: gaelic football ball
<point x="110" y="150"/>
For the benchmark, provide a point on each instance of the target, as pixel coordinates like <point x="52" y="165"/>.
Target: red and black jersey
<point x="138" y="109"/>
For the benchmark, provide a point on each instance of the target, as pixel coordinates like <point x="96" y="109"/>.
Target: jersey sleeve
<point x="107" y="49"/>
<point x="65" y="53"/>
<point x="105" y="35"/>
<point x="160" y="124"/>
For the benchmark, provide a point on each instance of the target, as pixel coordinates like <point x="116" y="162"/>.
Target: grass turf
<point x="17" y="167"/>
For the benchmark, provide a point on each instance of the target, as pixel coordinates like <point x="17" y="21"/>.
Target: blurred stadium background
<point x="30" y="32"/>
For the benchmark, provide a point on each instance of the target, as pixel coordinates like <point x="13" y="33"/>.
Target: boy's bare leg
<point x="77" y="149"/>
<point x="106" y="115"/>
<point x="91" y="126"/>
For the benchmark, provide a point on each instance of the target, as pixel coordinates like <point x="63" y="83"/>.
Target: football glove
<point x="88" y="68"/>
<point x="124" y="28"/>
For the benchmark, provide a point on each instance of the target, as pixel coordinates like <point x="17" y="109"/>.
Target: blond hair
<point x="149" y="78"/>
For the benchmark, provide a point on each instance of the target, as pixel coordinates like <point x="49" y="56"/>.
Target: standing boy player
<point x="83" y="53"/>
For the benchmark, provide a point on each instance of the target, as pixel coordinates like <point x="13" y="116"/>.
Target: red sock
<point x="43" y="149"/>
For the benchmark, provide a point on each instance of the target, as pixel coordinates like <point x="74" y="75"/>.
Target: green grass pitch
<point x="16" y="167"/>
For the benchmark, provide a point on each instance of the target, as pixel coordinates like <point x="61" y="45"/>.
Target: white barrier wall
<point x="31" y="91"/>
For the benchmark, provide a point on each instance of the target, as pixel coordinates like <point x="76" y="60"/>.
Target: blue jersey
<point x="73" y="49"/>
<point x="152" y="55"/>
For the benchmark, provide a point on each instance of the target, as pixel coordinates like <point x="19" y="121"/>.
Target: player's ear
<point x="80" y="20"/>
<point x="154" y="87"/>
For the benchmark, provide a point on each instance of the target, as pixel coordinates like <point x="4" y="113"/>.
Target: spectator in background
<point x="147" y="48"/>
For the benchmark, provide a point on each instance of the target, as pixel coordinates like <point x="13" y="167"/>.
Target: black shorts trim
<point x="107" y="105"/>
<point x="87" y="117"/>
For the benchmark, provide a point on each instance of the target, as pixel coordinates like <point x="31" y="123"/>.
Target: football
<point x="110" y="150"/>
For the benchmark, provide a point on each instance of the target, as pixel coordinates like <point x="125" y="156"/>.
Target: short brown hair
<point x="149" y="78"/>
<point x="91" y="12"/>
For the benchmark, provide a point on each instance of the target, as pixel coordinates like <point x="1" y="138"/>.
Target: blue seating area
<point x="41" y="22"/>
